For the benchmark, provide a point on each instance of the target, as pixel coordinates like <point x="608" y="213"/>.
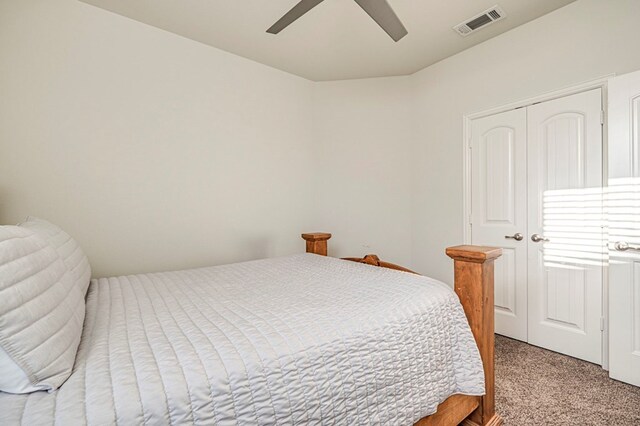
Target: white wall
<point x="154" y="151"/>
<point x="157" y="152"/>
<point x="582" y="41"/>
<point x="363" y="131"/>
<point x="363" y="136"/>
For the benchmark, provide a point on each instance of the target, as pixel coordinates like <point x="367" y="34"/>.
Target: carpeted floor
<point x="539" y="387"/>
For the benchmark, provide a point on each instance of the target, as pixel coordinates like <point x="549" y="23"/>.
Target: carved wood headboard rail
<point x="473" y="283"/>
<point x="372" y="259"/>
<point x="317" y="244"/>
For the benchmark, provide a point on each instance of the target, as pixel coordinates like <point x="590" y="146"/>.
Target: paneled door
<point x="565" y="225"/>
<point x="623" y="204"/>
<point x="499" y="211"/>
<point x="536" y="191"/>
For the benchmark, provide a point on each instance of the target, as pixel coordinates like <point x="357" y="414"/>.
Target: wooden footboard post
<point x="317" y="242"/>
<point x="474" y="286"/>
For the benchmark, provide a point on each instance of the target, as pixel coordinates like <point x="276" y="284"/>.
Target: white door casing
<point x="499" y="211"/>
<point x="565" y="206"/>
<point x="623" y="205"/>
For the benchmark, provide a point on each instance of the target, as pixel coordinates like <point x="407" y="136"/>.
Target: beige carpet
<point x="539" y="387"/>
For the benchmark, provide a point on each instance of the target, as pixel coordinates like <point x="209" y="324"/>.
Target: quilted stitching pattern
<point x="41" y="312"/>
<point x="66" y="246"/>
<point x="296" y="340"/>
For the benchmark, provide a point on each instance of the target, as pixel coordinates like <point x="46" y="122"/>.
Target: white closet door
<point x="499" y="173"/>
<point x="565" y="207"/>
<point x="624" y="228"/>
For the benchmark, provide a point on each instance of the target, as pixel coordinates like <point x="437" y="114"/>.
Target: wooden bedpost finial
<point x="474" y="254"/>
<point x="473" y="284"/>
<point x="317" y="242"/>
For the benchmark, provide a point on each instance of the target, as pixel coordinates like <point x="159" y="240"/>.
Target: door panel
<point x="505" y="280"/>
<point x="499" y="209"/>
<point x="623" y="204"/>
<point x="565" y="207"/>
<point x="497" y="150"/>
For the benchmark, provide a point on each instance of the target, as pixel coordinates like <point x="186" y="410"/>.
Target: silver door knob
<point x="517" y="237"/>
<point x="624" y="246"/>
<point x="536" y="238"/>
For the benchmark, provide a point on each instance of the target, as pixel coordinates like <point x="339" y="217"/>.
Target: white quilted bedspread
<point x="302" y="339"/>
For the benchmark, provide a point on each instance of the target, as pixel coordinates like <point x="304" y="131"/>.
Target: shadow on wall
<point x="4" y="197"/>
<point x="259" y="247"/>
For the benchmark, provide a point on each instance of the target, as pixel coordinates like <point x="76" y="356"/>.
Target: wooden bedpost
<point x="317" y="242"/>
<point x="474" y="286"/>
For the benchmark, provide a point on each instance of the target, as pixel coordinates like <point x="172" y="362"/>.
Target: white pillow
<point x="67" y="247"/>
<point x="41" y="313"/>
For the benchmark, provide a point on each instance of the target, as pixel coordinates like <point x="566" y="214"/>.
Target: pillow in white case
<point x="41" y="313"/>
<point x="67" y="247"/>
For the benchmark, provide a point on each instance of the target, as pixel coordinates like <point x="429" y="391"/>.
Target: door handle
<point x="517" y="237"/>
<point x="536" y="238"/>
<point x="624" y="246"/>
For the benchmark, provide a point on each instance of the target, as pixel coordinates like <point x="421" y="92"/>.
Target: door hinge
<point x="470" y="221"/>
<point x="602" y="117"/>
<point x="601" y="323"/>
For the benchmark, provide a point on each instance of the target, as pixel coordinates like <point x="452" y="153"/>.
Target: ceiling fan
<point x="379" y="10"/>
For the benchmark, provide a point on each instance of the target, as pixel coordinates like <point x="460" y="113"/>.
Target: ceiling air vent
<point x="481" y="20"/>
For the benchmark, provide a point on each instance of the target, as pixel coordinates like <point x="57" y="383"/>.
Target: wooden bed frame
<point x="473" y="283"/>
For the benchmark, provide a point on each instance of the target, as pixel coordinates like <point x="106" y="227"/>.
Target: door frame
<point x="600" y="83"/>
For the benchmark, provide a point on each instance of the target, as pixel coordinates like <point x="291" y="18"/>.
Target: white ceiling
<point x="334" y="41"/>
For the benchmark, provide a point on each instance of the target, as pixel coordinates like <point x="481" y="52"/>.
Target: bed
<point x="302" y="339"/>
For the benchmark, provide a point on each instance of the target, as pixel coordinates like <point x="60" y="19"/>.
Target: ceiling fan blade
<point x="383" y="14"/>
<point x="297" y="11"/>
